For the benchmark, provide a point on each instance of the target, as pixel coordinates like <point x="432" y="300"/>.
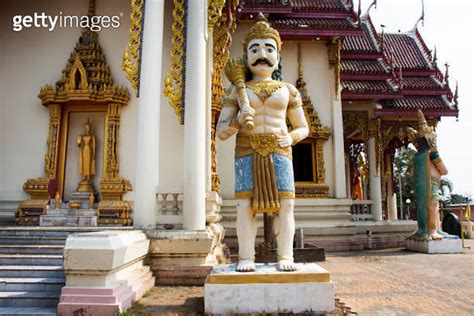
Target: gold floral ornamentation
<point x="85" y="85"/>
<point x="334" y="59"/>
<point x="264" y="88"/>
<point x="214" y="12"/>
<point x="263" y="144"/>
<point x="173" y="86"/>
<point x="132" y="54"/>
<point x="222" y="38"/>
<point x="52" y="142"/>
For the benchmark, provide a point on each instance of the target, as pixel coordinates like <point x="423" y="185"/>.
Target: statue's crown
<point x="262" y="29"/>
<point x="423" y="127"/>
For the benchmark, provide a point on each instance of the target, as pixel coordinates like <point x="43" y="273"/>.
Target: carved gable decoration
<point x="86" y="76"/>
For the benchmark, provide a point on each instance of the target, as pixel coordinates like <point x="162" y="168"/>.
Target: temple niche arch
<point x="85" y="91"/>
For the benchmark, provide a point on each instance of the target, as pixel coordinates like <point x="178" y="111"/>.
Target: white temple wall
<point x="316" y="73"/>
<point x="171" y="132"/>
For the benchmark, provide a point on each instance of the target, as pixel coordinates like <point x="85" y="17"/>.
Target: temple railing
<point x="361" y="210"/>
<point x="169" y="201"/>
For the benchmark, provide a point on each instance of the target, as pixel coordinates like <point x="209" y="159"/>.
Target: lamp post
<point x="408" y="201"/>
<point x="400" y="191"/>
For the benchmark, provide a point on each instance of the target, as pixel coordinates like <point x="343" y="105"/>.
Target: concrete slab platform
<point x="268" y="290"/>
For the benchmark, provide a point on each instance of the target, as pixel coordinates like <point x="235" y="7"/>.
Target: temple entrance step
<point x="32" y="249"/>
<point x="29" y="299"/>
<point x="37" y="311"/>
<point x="23" y="271"/>
<point x="31" y="240"/>
<point x="31" y="284"/>
<point x="30" y="259"/>
<point x="31" y="267"/>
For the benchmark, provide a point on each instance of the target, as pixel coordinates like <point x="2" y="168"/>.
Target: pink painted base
<point x="94" y="301"/>
<point x="105" y="301"/>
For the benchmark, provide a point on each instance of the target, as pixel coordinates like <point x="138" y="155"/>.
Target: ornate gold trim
<point x="86" y="85"/>
<point x="222" y="38"/>
<point x="52" y="143"/>
<point x="214" y="12"/>
<point x="132" y="54"/>
<point x="334" y="59"/>
<point x="174" y="82"/>
<point x="77" y="66"/>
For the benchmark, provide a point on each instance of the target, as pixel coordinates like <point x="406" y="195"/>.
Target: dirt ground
<point x="375" y="282"/>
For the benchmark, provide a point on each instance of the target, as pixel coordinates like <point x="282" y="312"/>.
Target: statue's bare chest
<point x="273" y="95"/>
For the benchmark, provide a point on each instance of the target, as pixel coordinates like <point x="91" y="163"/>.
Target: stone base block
<point x="95" y="301"/>
<point x="180" y="257"/>
<point x="181" y="275"/>
<point x="82" y="197"/>
<point x="58" y="220"/>
<point x="268" y="290"/>
<point x="450" y="244"/>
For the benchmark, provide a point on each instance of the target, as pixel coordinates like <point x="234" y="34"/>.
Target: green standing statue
<point x="426" y="172"/>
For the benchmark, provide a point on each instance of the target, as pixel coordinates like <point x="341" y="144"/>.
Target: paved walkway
<point x="378" y="282"/>
<point x="399" y="282"/>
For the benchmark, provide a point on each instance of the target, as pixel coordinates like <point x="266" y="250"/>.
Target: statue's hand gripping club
<point x="235" y="72"/>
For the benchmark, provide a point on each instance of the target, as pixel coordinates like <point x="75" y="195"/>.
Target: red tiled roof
<point x="362" y="66"/>
<point x="322" y="5"/>
<point x="405" y="52"/>
<point x="365" y="44"/>
<point x="420" y="83"/>
<point x="305" y="19"/>
<point x="301" y="5"/>
<point x="305" y="24"/>
<point x="367" y="86"/>
<point x="417" y="102"/>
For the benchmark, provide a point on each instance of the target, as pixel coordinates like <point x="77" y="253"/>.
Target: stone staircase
<point x="31" y="268"/>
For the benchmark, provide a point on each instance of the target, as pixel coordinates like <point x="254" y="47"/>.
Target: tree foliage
<point x="402" y="165"/>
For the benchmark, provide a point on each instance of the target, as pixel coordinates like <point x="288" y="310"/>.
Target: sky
<point x="448" y="25"/>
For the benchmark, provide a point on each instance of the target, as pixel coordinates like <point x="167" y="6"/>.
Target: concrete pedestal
<point x="268" y="290"/>
<point x="105" y="272"/>
<point x="69" y="217"/>
<point x="82" y="197"/>
<point x="182" y="257"/>
<point x="451" y="244"/>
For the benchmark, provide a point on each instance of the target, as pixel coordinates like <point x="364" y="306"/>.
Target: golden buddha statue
<point x="86" y="143"/>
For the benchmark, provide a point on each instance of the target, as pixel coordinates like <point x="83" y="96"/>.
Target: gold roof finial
<point x="91" y="11"/>
<point x="262" y="29"/>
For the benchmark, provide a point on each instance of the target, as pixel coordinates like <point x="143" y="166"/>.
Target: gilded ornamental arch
<point x="85" y="86"/>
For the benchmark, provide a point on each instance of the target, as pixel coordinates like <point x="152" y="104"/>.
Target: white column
<point x="338" y="146"/>
<point x="375" y="183"/>
<point x="194" y="207"/>
<point x="348" y="174"/>
<point x="391" y="210"/>
<point x="147" y="169"/>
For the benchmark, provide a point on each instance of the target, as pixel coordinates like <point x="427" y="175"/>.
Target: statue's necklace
<point x="264" y="88"/>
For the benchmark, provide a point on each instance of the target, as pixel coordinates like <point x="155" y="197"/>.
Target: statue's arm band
<point x="434" y="156"/>
<point x="296" y="137"/>
<point x="295" y="104"/>
<point x="230" y="103"/>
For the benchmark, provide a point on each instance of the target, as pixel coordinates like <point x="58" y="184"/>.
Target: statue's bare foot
<point x="245" y="266"/>
<point x="286" y="265"/>
<point x="436" y="236"/>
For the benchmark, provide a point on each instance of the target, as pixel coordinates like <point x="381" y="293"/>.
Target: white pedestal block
<point x="268" y="290"/>
<point x="450" y="244"/>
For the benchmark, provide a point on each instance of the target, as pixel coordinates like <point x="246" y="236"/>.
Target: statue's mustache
<point x="262" y="60"/>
